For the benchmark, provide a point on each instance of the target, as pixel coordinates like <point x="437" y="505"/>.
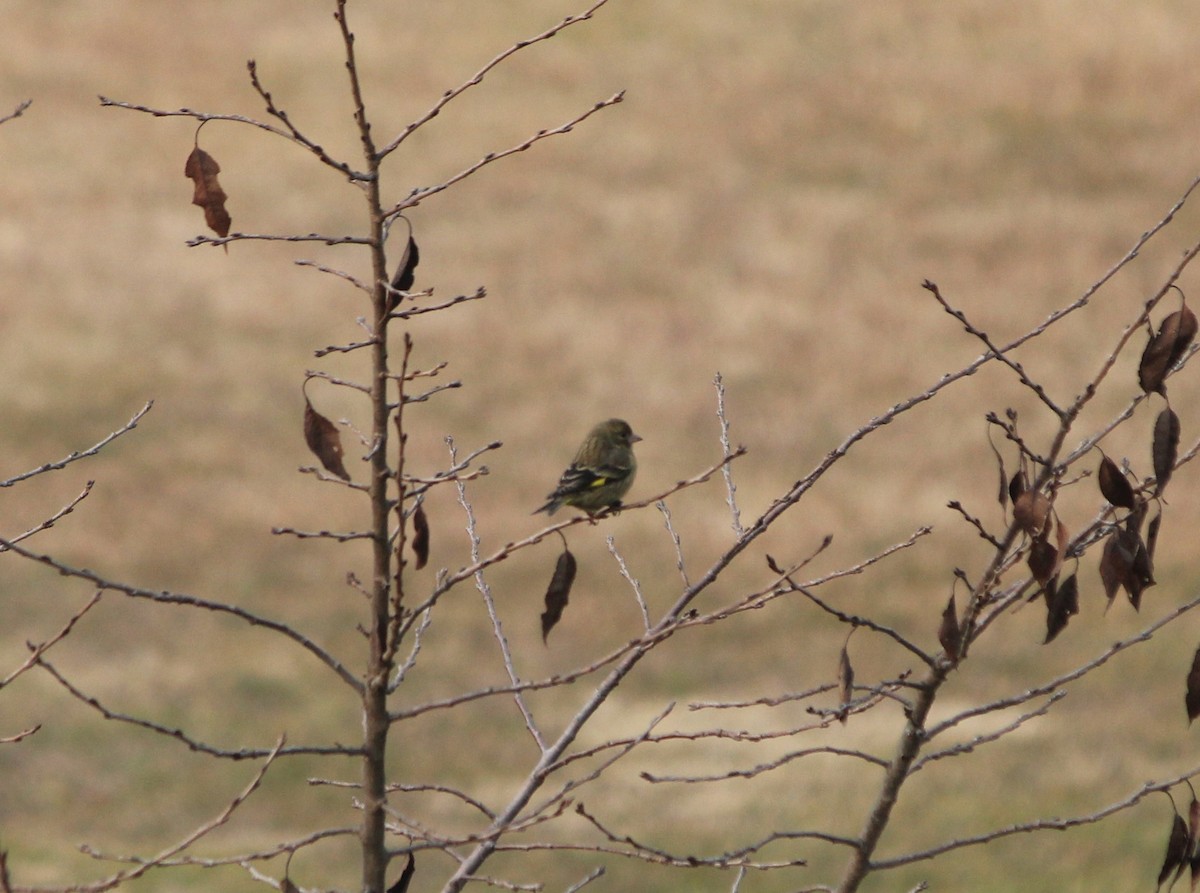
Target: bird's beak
<point x="634" y="438"/>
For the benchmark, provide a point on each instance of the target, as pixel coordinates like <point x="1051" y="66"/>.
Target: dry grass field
<point x="765" y="203"/>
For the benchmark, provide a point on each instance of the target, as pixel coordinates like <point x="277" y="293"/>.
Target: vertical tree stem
<point x="910" y="746"/>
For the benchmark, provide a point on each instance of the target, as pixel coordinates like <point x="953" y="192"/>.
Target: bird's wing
<point x="578" y="478"/>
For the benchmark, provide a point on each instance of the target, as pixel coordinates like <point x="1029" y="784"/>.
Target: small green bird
<point x="601" y="473"/>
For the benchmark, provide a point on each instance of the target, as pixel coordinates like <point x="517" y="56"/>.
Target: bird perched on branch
<point x="601" y="473"/>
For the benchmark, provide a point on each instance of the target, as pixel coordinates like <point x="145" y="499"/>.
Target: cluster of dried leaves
<point x="1127" y="557"/>
<point x="1182" y="851"/>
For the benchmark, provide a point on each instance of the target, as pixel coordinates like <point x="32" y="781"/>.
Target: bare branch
<point x="36" y="651"/>
<point x="731" y="859"/>
<point x="998" y="352"/>
<point x="420" y="195"/>
<point x="478" y="77"/>
<point x="477" y="295"/>
<point x="22" y="735"/>
<point x="970" y="746"/>
<point x="174" y="598"/>
<point x="269" y="237"/>
<point x="735" y="513"/>
<point x="122" y="877"/>
<point x="770" y="766"/>
<point x="90" y="451"/>
<point x="665" y="510"/>
<point x="193" y="744"/>
<point x="341" y="274"/>
<point x="336" y="536"/>
<point x="486" y="592"/>
<point x="1059" y="682"/>
<point x="17" y="112"/>
<point x="293" y="133"/>
<point x="633" y="582"/>
<point x="1150" y="787"/>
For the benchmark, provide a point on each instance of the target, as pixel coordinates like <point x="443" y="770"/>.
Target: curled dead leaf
<point x="1114" y="485"/>
<point x="202" y="169"/>
<point x="420" y="537"/>
<point x="1192" y="698"/>
<point x="1166" y="348"/>
<point x="1152" y="536"/>
<point x="1116" y="565"/>
<point x="845" y="680"/>
<point x="558" y="591"/>
<point x="405" y="276"/>
<point x="323" y="439"/>
<point x="1165" y="449"/>
<point x="1043" y="559"/>
<point x="1016" y="486"/>
<point x="406" y="876"/>
<point x="1062" y="604"/>
<point x="1177" y="846"/>
<point x="1031" y="511"/>
<point x="949" y="632"/>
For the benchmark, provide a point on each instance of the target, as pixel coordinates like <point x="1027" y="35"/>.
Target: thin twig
<point x="633" y="582"/>
<point x="122" y="877"/>
<point x="665" y="510"/>
<point x="36" y="651"/>
<point x="477" y="295"/>
<point x="175" y="598"/>
<point x="83" y="454"/>
<point x="193" y="744"/>
<point x="272" y="237"/>
<point x="477" y="78"/>
<point x="770" y="766"/>
<point x="341" y="274"/>
<point x="18" y="111"/>
<point x="419" y="195"/>
<point x="485" y="591"/>
<point x="1150" y="787"/>
<point x="735" y="514"/>
<point x="999" y="352"/>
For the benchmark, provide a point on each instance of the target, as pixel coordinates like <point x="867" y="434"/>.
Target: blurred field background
<point x="765" y="203"/>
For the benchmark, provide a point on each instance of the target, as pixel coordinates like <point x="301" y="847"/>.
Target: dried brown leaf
<point x="405" y="276"/>
<point x="845" y="680"/>
<point x="406" y="876"/>
<point x="1166" y="447"/>
<point x="420" y="537"/>
<point x="1114" y="485"/>
<point x="1142" y="577"/>
<point x="1177" y="845"/>
<point x="1184" y="335"/>
<point x="1116" y="565"/>
<point x="1193" y="823"/>
<point x="1062" y="605"/>
<point x="1031" y="511"/>
<point x="1152" y="536"/>
<point x="558" y="591"/>
<point x="949" y="632"/>
<point x="1192" y="699"/>
<point x="1166" y="348"/>
<point x="1043" y="559"/>
<point x="286" y="885"/>
<point x="1016" y="486"/>
<point x="1152" y="369"/>
<point x="323" y="439"/>
<point x="202" y="169"/>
